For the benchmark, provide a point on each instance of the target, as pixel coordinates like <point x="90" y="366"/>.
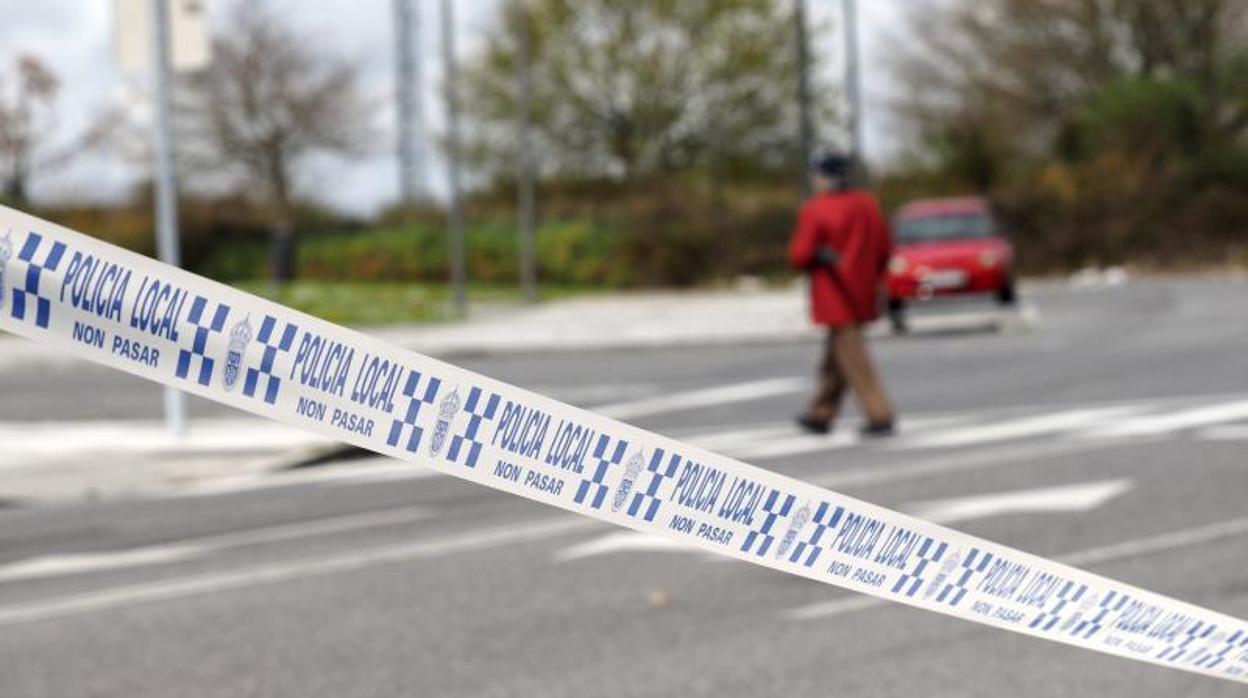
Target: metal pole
<point x="525" y="165"/>
<point x="853" y="78"/>
<point x="166" y="179"/>
<point x="459" y="273"/>
<point x="413" y="174"/>
<point x="806" y="123"/>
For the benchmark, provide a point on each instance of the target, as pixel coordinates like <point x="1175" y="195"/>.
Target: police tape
<point x="167" y="325"/>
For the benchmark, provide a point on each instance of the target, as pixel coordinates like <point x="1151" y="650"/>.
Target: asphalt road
<point x="1131" y="401"/>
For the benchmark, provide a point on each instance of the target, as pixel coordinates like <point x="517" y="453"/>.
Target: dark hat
<point x="832" y="164"/>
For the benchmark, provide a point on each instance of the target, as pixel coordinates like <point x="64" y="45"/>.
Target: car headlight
<point x="898" y="265"/>
<point x="988" y="258"/>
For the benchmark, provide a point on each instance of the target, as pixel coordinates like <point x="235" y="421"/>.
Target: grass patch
<point x="387" y="303"/>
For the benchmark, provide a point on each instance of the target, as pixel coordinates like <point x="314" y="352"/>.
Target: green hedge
<point x="569" y="254"/>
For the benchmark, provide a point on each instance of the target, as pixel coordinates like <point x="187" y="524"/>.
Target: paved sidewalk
<point x="623" y="321"/>
<point x="595" y="322"/>
<point x="51" y="461"/>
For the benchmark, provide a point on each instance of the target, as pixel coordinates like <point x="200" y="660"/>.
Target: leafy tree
<point x="630" y="90"/>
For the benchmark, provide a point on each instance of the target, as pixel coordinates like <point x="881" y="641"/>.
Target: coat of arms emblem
<point x="790" y="536"/>
<point x="631" y="470"/>
<point x="446" y="414"/>
<point x="240" y="337"/>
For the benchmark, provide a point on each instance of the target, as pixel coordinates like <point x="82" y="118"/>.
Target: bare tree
<point x="27" y="107"/>
<point x="272" y="98"/>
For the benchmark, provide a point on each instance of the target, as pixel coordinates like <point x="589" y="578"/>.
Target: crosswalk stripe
<point x="785" y="439"/>
<point x="704" y="397"/>
<point x="1173" y="421"/>
<point x="1229" y="432"/>
<point x="1017" y="428"/>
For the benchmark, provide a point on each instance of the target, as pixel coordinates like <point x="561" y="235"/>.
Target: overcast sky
<point x="75" y="37"/>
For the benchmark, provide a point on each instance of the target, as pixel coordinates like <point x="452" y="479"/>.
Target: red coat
<point x="851" y="224"/>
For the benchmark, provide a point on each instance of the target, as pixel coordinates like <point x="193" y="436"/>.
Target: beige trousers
<point x="847" y="364"/>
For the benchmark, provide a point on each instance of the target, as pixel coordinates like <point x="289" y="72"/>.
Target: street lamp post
<point x="853" y="78"/>
<point x="166" y="177"/>
<point x="413" y="176"/>
<point x="459" y="273"/>
<point x="525" y="165"/>
<point x="806" y="135"/>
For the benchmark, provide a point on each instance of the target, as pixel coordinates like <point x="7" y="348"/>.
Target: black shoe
<point x="814" y="425"/>
<point x="878" y="430"/>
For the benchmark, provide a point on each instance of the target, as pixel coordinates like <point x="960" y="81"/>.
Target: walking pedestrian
<point x="844" y="245"/>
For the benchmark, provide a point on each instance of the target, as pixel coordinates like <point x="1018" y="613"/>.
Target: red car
<point x="947" y="247"/>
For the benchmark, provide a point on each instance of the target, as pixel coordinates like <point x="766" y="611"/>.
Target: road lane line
<point x="1085" y="558"/>
<point x="45" y="566"/>
<point x="1066" y="499"/>
<point x="1230" y="432"/>
<point x="1016" y="429"/>
<point x="1172" y="422"/>
<point x="986" y="458"/>
<point x="704" y="397"/>
<point x="624" y="541"/>
<point x="174" y="551"/>
<point x="130" y="595"/>
<point x="799" y="444"/>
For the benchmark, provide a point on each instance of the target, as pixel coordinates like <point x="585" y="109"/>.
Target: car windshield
<point x="947" y="227"/>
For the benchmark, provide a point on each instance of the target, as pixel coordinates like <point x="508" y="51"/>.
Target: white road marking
<point x="1017" y="428"/>
<point x="986" y="458"/>
<point x="705" y="397"/>
<point x="592" y="394"/>
<point x="82" y="563"/>
<point x="623" y="541"/>
<point x="130" y="595"/>
<point x="1139" y="547"/>
<point x="798" y="444"/>
<point x="24" y="440"/>
<point x="1230" y="432"/>
<point x="1066" y="498"/>
<point x="379" y="469"/>
<point x="1172" y="422"/>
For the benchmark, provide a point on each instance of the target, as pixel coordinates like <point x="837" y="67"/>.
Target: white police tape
<point x="175" y="328"/>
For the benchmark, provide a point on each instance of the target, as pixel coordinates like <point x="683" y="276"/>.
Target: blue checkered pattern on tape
<point x="760" y="539"/>
<point x="1070" y="593"/>
<point x="199" y="340"/>
<point x="416" y="400"/>
<point x="594" y="488"/>
<point x="1235" y="641"/>
<point x="975" y="563"/>
<point x="1112" y="603"/>
<point x="29" y="292"/>
<point x="273" y="346"/>
<point x="467" y="443"/>
<point x="825" y="520"/>
<point x="928" y="554"/>
<point x="1198" y="631"/>
<point x="646" y="501"/>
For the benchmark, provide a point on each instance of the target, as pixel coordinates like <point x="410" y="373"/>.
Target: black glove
<point x="826" y="257"/>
